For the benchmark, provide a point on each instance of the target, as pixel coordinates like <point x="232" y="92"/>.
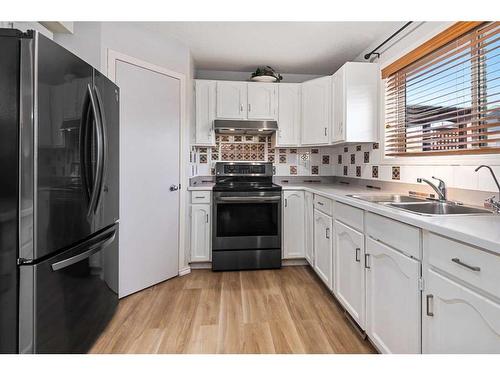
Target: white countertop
<point x="481" y="231"/>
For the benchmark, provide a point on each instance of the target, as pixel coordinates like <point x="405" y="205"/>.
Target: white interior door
<point x="149" y="165"/>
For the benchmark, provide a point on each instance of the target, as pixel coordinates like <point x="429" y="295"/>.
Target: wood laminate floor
<point x="272" y="311"/>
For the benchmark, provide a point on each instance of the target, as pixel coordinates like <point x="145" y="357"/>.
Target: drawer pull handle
<point x="327" y="233"/>
<point x="199" y="197"/>
<point x="320" y="203"/>
<point x="428" y="299"/>
<point x="358" y="251"/>
<point x="472" y="268"/>
<point x="367" y="256"/>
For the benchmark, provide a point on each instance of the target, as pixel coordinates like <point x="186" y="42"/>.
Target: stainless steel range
<point x="246" y="233"/>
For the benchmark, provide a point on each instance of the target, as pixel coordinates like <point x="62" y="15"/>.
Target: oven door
<point x="246" y="220"/>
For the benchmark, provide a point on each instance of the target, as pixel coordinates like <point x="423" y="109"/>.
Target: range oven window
<point x="247" y="219"/>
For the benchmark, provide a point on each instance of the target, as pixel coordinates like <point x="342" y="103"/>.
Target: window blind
<point x="447" y="102"/>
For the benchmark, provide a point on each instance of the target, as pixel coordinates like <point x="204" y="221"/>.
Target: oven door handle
<point x="247" y="199"/>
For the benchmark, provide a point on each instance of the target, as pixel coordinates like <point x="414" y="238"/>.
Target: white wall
<point x="225" y="75"/>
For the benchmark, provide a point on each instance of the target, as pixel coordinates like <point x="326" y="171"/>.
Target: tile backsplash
<point x="361" y="161"/>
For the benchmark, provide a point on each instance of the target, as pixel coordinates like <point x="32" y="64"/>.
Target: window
<point x="444" y="98"/>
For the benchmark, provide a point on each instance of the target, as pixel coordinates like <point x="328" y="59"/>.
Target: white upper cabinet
<point x="323" y="247"/>
<point x="231" y="100"/>
<point x="309" y="226"/>
<point x="205" y="112"/>
<point x="392" y="299"/>
<point x="349" y="271"/>
<point x="355" y="108"/>
<point x="289" y="114"/>
<point x="293" y="224"/>
<point x="262" y="101"/>
<point x="316" y="111"/>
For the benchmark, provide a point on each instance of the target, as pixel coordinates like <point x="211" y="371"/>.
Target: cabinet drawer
<point x="349" y="215"/>
<point x="396" y="234"/>
<point x="202" y="196"/>
<point x="470" y="264"/>
<point x="324" y="205"/>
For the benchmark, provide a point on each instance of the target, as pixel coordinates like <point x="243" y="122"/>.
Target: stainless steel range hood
<point x="263" y="127"/>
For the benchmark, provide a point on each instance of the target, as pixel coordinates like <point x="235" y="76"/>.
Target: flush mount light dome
<point x="266" y="74"/>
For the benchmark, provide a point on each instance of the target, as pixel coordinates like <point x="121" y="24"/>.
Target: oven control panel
<point x="244" y="169"/>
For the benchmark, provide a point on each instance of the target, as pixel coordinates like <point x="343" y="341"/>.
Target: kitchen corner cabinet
<point x="262" y="101"/>
<point x="231" y="100"/>
<point x="205" y="100"/>
<point x="392" y="299"/>
<point x="316" y="111"/>
<point x="293" y="224"/>
<point x="349" y="271"/>
<point x="200" y="232"/>
<point x="355" y="103"/>
<point x="289" y="114"/>
<point x="323" y="247"/>
<point x="309" y="226"/>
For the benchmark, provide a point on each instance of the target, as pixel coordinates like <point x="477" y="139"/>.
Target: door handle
<point x="286" y="202"/>
<point x="174" y="188"/>
<point x="358" y="252"/>
<point x="207" y="218"/>
<point x="104" y="144"/>
<point x="429" y="299"/>
<point x="249" y="107"/>
<point x="325" y="132"/>
<point x="327" y="233"/>
<point x="473" y="268"/>
<point x="367" y="256"/>
<point x="241" y="107"/>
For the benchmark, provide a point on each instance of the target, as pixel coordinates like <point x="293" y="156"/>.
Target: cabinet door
<point x="349" y="271"/>
<point x="262" y="101"/>
<point x="316" y="108"/>
<point x="309" y="226"/>
<point x="200" y="232"/>
<point x="323" y="248"/>
<point x="457" y="320"/>
<point x="392" y="299"/>
<point x="289" y="112"/>
<point x="338" y="122"/>
<point x="232" y="100"/>
<point x="293" y="224"/>
<point x="205" y="112"/>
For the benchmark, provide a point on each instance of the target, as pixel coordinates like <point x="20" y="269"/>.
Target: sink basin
<point x="387" y="198"/>
<point x="440" y="208"/>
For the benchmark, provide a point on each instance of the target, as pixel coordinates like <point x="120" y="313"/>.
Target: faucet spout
<point x="440" y="190"/>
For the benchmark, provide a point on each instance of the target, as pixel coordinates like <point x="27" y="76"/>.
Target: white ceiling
<point x="289" y="47"/>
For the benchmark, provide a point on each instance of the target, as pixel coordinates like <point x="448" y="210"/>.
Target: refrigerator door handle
<point x="92" y="250"/>
<point x="96" y="182"/>
<point x="84" y="145"/>
<point x="104" y="143"/>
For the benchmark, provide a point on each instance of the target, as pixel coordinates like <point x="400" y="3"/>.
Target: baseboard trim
<point x="185" y="271"/>
<point x="201" y="265"/>
<point x="294" y="262"/>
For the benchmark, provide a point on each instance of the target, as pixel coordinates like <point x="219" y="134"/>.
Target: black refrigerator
<point x="59" y="160"/>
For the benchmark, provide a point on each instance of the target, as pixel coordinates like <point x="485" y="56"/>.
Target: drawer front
<point x="202" y="196"/>
<point x="400" y="236"/>
<point x="349" y="215"/>
<point x="470" y="264"/>
<point x="323" y="204"/>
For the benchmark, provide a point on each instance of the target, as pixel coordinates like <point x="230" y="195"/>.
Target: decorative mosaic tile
<point x="314" y="151"/>
<point x="232" y="156"/>
<point x="282" y="150"/>
<point x="375" y="171"/>
<point x="269" y="138"/>
<point x="314" y="169"/>
<point x="358" y="148"/>
<point x="304" y="156"/>
<point x="293" y="169"/>
<point x="262" y="139"/>
<point x="270" y="158"/>
<point x="224" y="138"/>
<point x="239" y="156"/>
<point x="253" y="156"/>
<point x="358" y="171"/>
<point x="247" y="156"/>
<point x="214" y="149"/>
<point x="239" y="147"/>
<point x="325" y="159"/>
<point x="215" y="156"/>
<point x="203" y="150"/>
<point x="203" y="159"/>
<point x="282" y="159"/>
<point x="270" y="151"/>
<point x="247" y="147"/>
<point x="249" y="138"/>
<point x="339" y="159"/>
<point x="212" y="171"/>
<point x="366" y="158"/>
<point x="345" y="170"/>
<point x="293" y="151"/>
<point x="396" y="173"/>
<point x="237" y="138"/>
<point x="353" y="158"/>
<point x="261" y="148"/>
<point x="346" y="149"/>
<point x="376" y="146"/>
<point x="254" y="147"/>
<point x="217" y="138"/>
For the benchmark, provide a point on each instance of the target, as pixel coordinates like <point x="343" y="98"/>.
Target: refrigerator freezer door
<point x="76" y="296"/>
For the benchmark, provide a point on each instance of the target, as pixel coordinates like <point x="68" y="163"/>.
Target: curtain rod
<point x="368" y="55"/>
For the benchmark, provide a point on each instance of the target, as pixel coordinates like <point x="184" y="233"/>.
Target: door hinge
<point x="421" y="284"/>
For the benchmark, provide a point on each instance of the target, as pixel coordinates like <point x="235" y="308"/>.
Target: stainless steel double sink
<point x="422" y="206"/>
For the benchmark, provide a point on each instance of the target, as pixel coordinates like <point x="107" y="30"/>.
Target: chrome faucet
<point x="494" y="203"/>
<point x="440" y="189"/>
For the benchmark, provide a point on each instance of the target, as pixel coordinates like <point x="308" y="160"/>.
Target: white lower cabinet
<point x="348" y="266"/>
<point x="309" y="226"/>
<point x="456" y="319"/>
<point x="200" y="232"/>
<point x="392" y="299"/>
<point x="293" y="224"/>
<point x="323" y="247"/>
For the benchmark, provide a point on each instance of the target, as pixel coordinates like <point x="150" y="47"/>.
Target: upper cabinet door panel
<point x="231" y="100"/>
<point x="316" y="108"/>
<point x="262" y="101"/>
<point x="289" y="112"/>
<point x="205" y="112"/>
